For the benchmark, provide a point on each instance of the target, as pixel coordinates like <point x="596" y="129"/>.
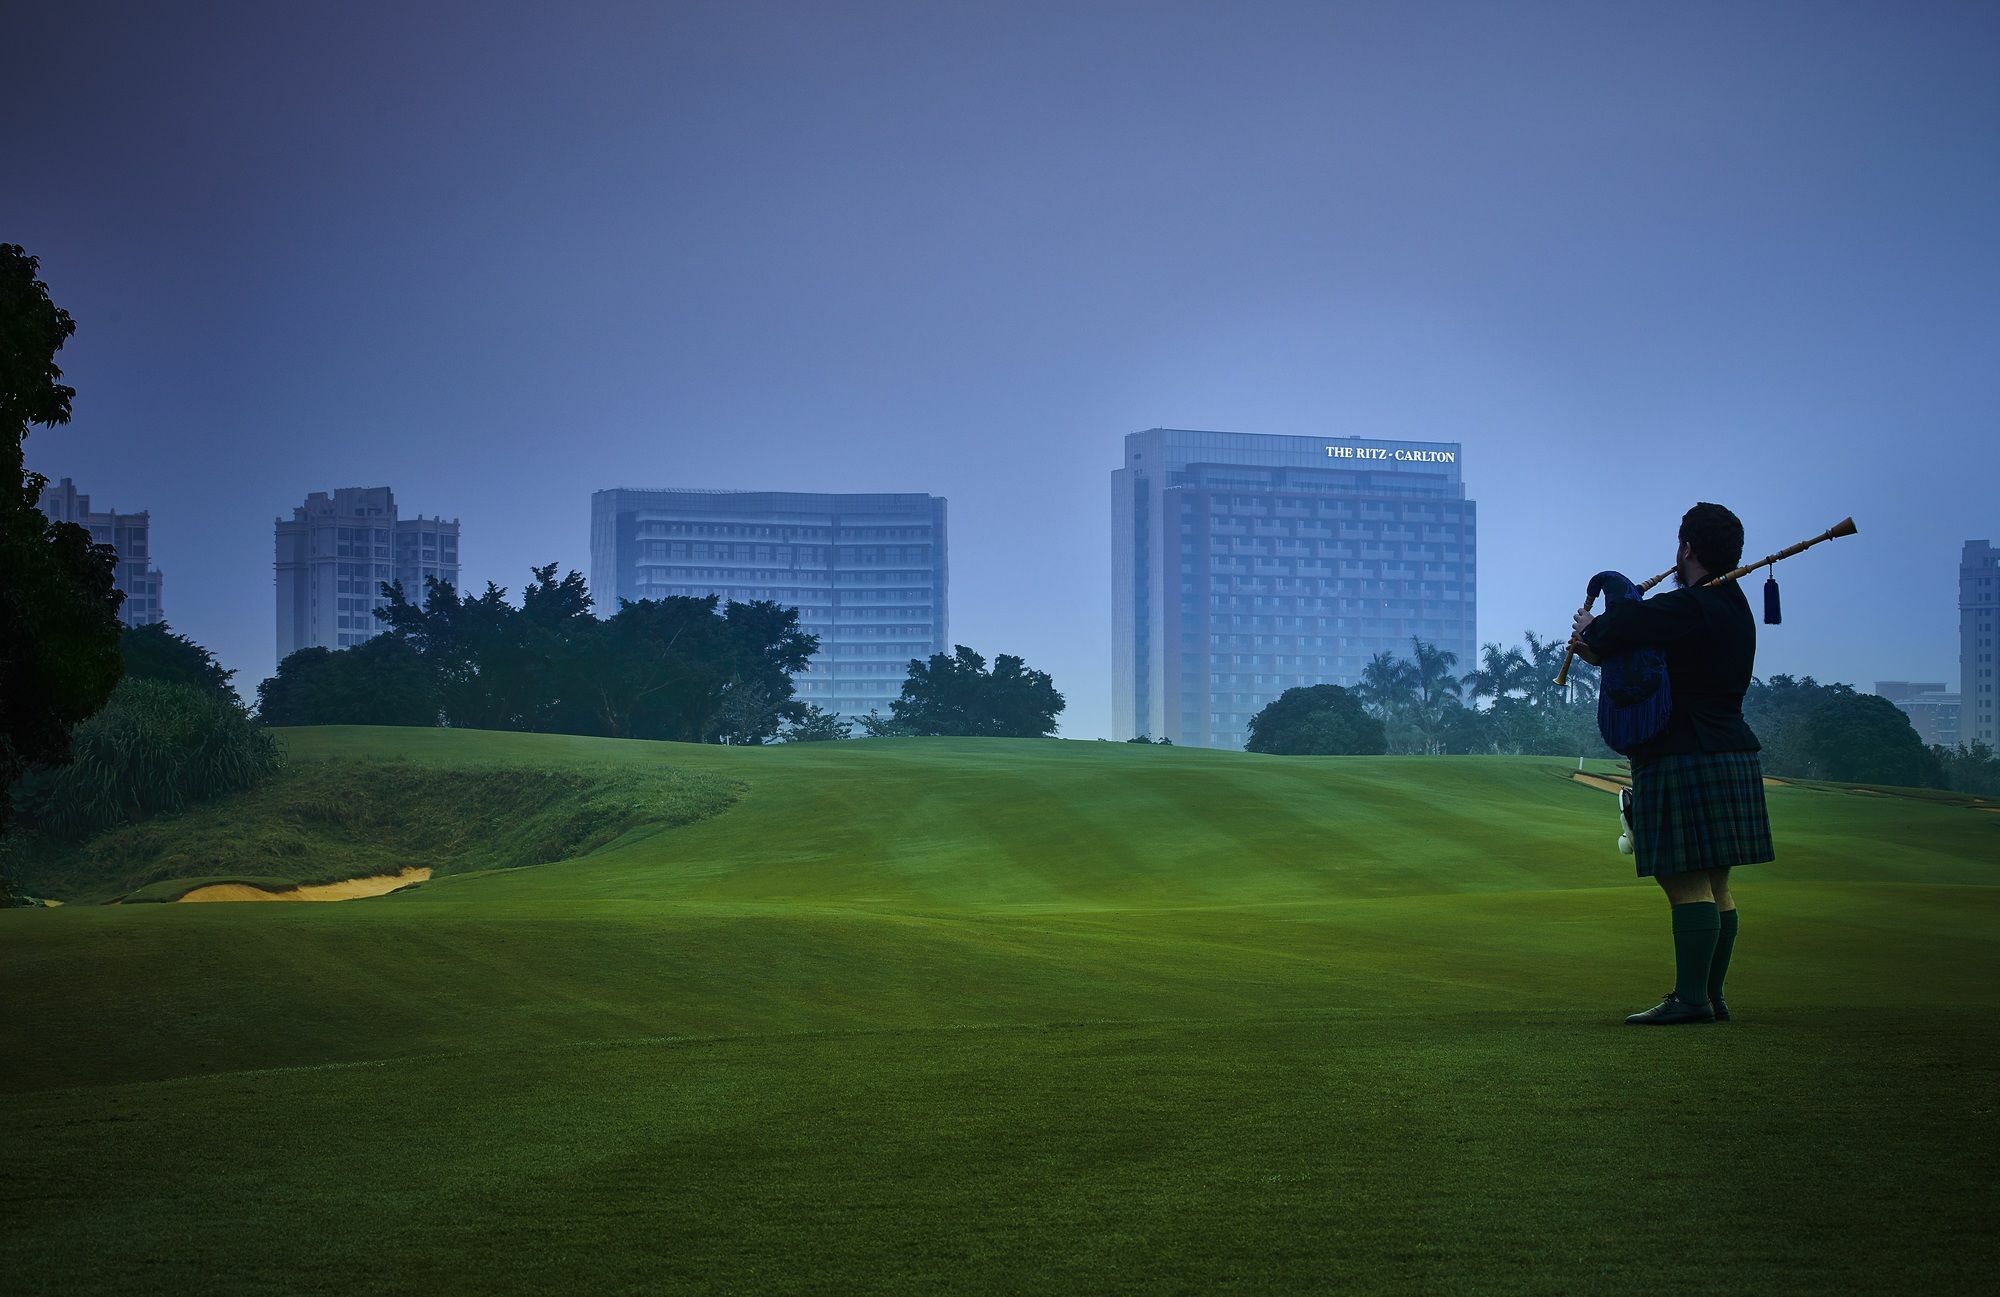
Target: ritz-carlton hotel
<point x="1244" y="565"/>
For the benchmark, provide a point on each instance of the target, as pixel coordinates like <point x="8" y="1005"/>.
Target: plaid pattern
<point x="1699" y="810"/>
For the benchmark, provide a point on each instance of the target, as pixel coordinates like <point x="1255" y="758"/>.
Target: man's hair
<point x="1715" y="535"/>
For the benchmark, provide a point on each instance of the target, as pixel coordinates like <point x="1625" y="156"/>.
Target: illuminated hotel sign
<point x="1399" y="454"/>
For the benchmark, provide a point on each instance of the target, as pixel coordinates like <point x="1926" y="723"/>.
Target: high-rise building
<point x="334" y="556"/>
<point x="1245" y="564"/>
<point x="1979" y="643"/>
<point x="866" y="572"/>
<point x="129" y="534"/>
<point x="1933" y="713"/>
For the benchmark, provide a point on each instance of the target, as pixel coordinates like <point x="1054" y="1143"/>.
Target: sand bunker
<point x="346" y="890"/>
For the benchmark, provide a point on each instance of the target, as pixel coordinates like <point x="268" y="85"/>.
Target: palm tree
<point x="1388" y="685"/>
<point x="1501" y="673"/>
<point x="1581" y="691"/>
<point x="1544" y="659"/>
<point x="1437" y="689"/>
<point x="1435" y="678"/>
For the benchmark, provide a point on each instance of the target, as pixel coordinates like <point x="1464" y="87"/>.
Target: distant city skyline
<point x="1628" y="258"/>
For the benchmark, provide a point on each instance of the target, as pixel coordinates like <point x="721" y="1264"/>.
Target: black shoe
<point x="1721" y="1009"/>
<point x="1671" y="1012"/>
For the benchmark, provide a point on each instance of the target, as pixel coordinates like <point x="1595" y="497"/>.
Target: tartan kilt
<point x="1699" y="810"/>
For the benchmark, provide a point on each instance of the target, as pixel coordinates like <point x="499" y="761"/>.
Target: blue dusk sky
<point x="499" y="256"/>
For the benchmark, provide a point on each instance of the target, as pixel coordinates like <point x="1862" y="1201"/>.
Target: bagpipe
<point x="1634" y="699"/>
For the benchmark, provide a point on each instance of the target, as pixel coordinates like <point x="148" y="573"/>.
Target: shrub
<point x="1316" y="720"/>
<point x="155" y="749"/>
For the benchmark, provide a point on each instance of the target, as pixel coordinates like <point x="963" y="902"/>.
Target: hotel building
<point x="867" y="573"/>
<point x="1245" y="564"/>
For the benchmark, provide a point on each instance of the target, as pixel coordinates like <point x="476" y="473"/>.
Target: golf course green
<point x="953" y="1015"/>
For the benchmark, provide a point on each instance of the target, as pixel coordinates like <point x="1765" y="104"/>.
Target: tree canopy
<point x="956" y="694"/>
<point x="681" y="668"/>
<point x="1317" y="721"/>
<point x="1815" y="731"/>
<point x="155" y="652"/>
<point x="381" y="682"/>
<point x="58" y="607"/>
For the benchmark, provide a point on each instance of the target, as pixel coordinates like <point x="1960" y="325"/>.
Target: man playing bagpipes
<point x="1681" y="663"/>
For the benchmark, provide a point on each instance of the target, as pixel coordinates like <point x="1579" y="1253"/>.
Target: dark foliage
<point x="679" y="668"/>
<point x="154" y="749"/>
<point x="155" y="652"/>
<point x="1317" y="721"/>
<point x="815" y="724"/>
<point x="1815" y="731"/>
<point x="1969" y="768"/>
<point x="1422" y="710"/>
<point x="382" y="682"/>
<point x="58" y="608"/>
<point x="955" y="694"/>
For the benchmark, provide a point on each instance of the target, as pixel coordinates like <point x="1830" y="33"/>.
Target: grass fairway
<point x="1003" y="1016"/>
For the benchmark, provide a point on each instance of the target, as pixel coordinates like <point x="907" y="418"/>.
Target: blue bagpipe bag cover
<point x="1633" y="696"/>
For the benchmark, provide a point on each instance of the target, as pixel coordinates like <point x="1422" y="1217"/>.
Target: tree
<point x="1813" y="731"/>
<point x="640" y="672"/>
<point x="1435" y="681"/>
<point x="763" y="648"/>
<point x="1528" y="713"/>
<point x="58" y="606"/>
<point x="1437" y="691"/>
<point x="154" y="652"/>
<point x="1862" y="738"/>
<point x="957" y="694"/>
<point x="381" y="682"/>
<point x="1969" y="768"/>
<point x="1501" y="674"/>
<point x="877" y="726"/>
<point x="1388" y="685"/>
<point x="1543" y="660"/>
<point x="1581" y="685"/>
<point x="815" y="724"/>
<point x="488" y="661"/>
<point x="1316" y="720"/>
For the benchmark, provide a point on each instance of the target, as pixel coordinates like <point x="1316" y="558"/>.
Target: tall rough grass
<point x="155" y="748"/>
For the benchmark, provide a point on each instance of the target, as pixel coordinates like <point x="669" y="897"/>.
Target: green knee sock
<point x="1718" y="967"/>
<point x="1696" y="927"/>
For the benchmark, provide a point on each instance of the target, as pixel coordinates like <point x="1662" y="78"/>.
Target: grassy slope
<point x="320" y="820"/>
<point x="1030" y="1014"/>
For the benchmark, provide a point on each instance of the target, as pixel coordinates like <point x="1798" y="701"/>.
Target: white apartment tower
<point x="334" y="556"/>
<point x="129" y="534"/>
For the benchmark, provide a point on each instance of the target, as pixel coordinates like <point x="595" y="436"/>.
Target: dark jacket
<point x="1710" y="638"/>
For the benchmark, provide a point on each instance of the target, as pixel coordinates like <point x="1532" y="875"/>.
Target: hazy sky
<point x="500" y="256"/>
